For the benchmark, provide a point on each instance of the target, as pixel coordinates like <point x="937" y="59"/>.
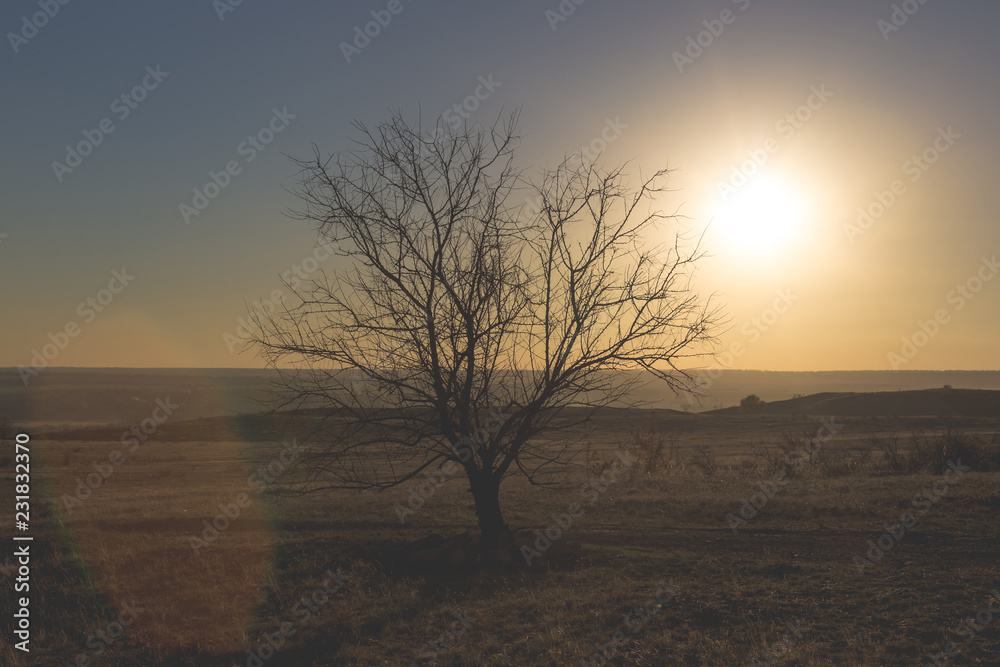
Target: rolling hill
<point x="918" y="403"/>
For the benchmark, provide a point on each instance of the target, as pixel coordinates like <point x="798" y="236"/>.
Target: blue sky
<point x="859" y="297"/>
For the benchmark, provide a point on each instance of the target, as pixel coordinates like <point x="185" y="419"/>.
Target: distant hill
<point x="279" y="426"/>
<point x="69" y="397"/>
<point x="82" y="396"/>
<point x="726" y="388"/>
<point x="243" y="428"/>
<point x="924" y="402"/>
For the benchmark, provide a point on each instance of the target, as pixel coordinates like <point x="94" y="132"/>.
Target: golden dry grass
<point x="129" y="542"/>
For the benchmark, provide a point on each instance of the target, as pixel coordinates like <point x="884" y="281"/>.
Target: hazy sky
<point x="806" y="285"/>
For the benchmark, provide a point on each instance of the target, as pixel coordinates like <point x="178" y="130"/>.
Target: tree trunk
<point x="486" y="493"/>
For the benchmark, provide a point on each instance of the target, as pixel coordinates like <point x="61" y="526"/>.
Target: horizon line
<point x="14" y="369"/>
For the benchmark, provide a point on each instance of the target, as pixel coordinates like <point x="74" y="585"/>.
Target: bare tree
<point x="476" y="330"/>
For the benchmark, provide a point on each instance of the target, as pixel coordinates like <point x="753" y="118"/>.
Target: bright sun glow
<point x="763" y="217"/>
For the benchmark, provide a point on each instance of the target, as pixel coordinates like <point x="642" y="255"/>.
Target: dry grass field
<point x="647" y="572"/>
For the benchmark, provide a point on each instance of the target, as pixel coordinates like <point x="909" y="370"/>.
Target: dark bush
<point x="752" y="404"/>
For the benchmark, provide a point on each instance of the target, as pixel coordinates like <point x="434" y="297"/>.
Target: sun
<point x="763" y="217"/>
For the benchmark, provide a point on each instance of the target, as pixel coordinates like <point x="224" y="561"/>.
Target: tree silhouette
<point x="476" y="329"/>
